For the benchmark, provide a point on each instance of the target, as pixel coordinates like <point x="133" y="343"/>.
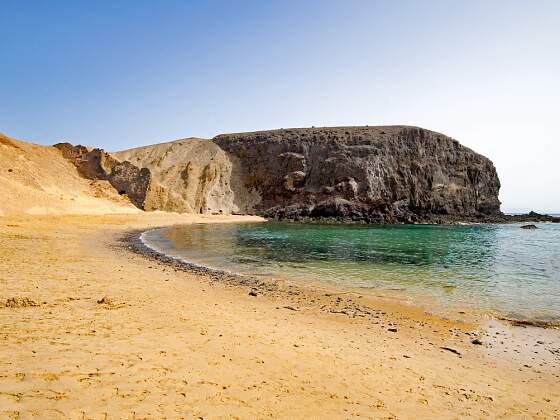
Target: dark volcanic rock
<point x="132" y="181"/>
<point x="528" y="227"/>
<point x="533" y="217"/>
<point x="125" y="177"/>
<point x="371" y="174"/>
<point x="91" y="164"/>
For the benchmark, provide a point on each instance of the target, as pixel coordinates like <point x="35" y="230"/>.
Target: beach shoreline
<point x="92" y="327"/>
<point x="466" y="313"/>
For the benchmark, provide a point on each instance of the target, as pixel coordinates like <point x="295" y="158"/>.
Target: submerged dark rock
<point x="529" y="227"/>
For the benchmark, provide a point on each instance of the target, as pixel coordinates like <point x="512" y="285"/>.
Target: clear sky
<point x="119" y="74"/>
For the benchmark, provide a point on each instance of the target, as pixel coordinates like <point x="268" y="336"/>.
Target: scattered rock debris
<point x="105" y="301"/>
<point x="19" y="302"/>
<point x="108" y="303"/>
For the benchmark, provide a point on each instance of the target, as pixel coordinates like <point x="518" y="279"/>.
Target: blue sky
<point x="119" y="74"/>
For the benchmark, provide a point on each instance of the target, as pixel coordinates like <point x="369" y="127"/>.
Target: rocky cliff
<point x="374" y="174"/>
<point x="126" y="178"/>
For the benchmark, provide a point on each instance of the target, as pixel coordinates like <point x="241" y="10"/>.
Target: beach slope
<point x="91" y="329"/>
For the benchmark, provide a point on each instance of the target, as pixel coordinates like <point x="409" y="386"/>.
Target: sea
<point x="496" y="268"/>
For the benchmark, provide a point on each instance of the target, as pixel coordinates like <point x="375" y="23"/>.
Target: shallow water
<point x="502" y="268"/>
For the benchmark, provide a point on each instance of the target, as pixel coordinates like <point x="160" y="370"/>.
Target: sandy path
<point x="176" y="345"/>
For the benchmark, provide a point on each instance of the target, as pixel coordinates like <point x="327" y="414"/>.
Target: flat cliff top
<point x="379" y="131"/>
<point x="166" y="145"/>
<point x="353" y="135"/>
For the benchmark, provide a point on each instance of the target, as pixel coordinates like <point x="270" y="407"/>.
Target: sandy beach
<point x="279" y="210"/>
<point x="91" y="329"/>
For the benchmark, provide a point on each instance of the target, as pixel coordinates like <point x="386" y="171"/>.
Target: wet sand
<point x="93" y="327"/>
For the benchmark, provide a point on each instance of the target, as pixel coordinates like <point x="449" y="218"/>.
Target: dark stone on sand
<point x="18" y="302"/>
<point x="253" y="292"/>
<point x="476" y="341"/>
<point x="451" y="350"/>
<point x="392" y="329"/>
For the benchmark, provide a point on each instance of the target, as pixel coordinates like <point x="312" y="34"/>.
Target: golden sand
<point x="90" y="329"/>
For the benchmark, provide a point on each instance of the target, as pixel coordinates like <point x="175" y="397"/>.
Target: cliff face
<point x="377" y="174"/>
<point x="126" y="178"/>
<point x="195" y="176"/>
<point x="373" y="174"/>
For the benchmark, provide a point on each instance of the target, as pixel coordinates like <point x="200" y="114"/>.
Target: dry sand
<point x="165" y="343"/>
<point x="37" y="180"/>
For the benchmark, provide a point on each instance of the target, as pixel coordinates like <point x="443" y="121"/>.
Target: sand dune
<point x="37" y="180"/>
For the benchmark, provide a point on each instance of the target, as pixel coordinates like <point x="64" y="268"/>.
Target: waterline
<point x="489" y="267"/>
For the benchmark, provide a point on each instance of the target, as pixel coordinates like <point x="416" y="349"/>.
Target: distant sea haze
<point x="513" y="212"/>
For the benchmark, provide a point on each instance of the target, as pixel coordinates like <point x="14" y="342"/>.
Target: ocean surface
<point x="503" y="269"/>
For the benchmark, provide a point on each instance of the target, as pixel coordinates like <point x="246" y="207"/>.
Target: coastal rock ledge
<point x="381" y="174"/>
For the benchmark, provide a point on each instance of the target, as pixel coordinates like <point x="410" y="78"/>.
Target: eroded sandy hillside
<point x="195" y="176"/>
<point x="36" y="179"/>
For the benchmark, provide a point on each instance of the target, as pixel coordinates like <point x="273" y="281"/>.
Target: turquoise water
<point x="502" y="268"/>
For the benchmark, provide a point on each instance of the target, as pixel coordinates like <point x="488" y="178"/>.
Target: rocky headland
<point x="378" y="174"/>
<point x="372" y="174"/>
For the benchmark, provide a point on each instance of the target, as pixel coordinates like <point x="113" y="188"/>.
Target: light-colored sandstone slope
<point x="196" y="176"/>
<point x="36" y="179"/>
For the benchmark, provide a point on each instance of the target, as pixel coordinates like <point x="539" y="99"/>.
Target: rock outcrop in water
<point x="386" y="174"/>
